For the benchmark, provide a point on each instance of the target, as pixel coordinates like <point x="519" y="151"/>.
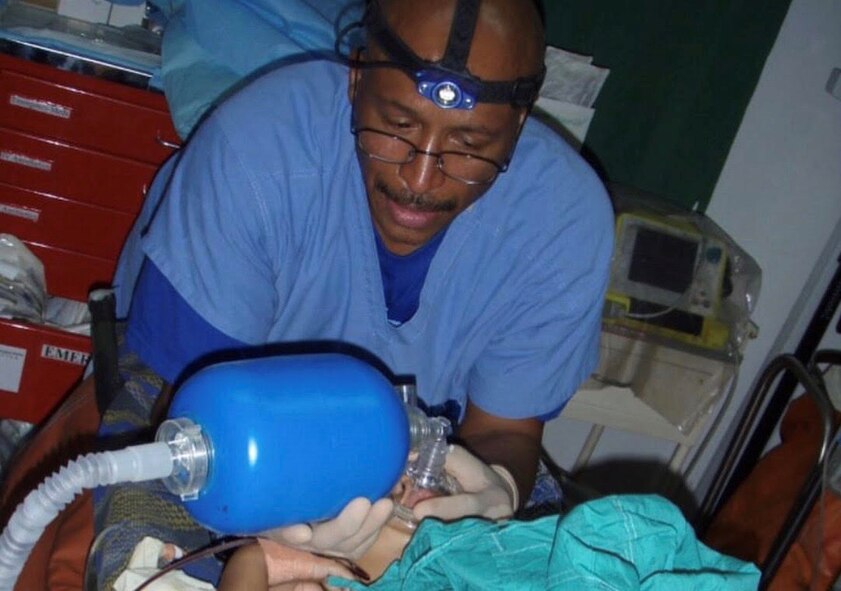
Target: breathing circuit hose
<point x="132" y="464"/>
<point x="250" y="418"/>
<point x="151" y="461"/>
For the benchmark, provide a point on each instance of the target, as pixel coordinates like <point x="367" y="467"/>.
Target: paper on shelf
<point x="572" y="78"/>
<point x="567" y="96"/>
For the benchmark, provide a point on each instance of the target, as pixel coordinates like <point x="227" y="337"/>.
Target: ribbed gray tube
<point x="42" y="505"/>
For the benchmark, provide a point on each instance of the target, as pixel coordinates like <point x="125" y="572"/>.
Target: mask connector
<point x="190" y="457"/>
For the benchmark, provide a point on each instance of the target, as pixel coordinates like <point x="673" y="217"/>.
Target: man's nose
<point x="422" y="173"/>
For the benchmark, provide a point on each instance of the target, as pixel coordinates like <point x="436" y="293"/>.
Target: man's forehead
<point x="506" y="44"/>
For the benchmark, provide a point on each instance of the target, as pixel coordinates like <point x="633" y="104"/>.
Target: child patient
<point x="270" y="565"/>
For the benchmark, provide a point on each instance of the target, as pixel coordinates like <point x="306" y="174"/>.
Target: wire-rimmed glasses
<point x="467" y="168"/>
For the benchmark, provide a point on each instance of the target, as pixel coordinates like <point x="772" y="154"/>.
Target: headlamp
<point x="444" y="91"/>
<point x="447" y="82"/>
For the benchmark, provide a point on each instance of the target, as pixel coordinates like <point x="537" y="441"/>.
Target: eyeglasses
<point x="467" y="168"/>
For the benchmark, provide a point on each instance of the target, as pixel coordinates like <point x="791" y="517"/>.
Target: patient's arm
<point x="269" y="565"/>
<point x="246" y="569"/>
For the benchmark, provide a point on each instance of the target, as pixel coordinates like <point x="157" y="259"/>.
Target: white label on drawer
<point x="20" y="212"/>
<point x="40" y="105"/>
<point x="66" y="355"/>
<point x="11" y="367"/>
<point x="25" y="160"/>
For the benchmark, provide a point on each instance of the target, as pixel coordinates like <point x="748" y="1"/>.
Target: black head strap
<point x="375" y="23"/>
<point x="461" y="35"/>
<point x="521" y="92"/>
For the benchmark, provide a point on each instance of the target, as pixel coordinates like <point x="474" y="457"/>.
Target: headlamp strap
<point x="374" y="21"/>
<point x="520" y="93"/>
<point x="461" y="35"/>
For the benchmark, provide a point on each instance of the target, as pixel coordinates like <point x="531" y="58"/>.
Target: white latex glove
<point x="488" y="491"/>
<point x="349" y="535"/>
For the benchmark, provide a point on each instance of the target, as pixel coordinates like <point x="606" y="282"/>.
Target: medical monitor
<point x="667" y="265"/>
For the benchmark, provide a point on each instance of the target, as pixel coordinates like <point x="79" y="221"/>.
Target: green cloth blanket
<point x="616" y="543"/>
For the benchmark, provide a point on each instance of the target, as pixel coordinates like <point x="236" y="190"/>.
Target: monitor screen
<point x="663" y="260"/>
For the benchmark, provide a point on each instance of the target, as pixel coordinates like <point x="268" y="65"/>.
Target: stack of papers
<point x="571" y="87"/>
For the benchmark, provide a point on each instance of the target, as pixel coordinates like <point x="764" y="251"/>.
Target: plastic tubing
<point x="132" y="464"/>
<point x="427" y="470"/>
<point x="423" y="428"/>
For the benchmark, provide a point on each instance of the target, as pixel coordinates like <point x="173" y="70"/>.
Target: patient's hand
<point x="285" y="564"/>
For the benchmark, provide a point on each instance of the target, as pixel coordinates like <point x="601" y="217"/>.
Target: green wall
<point x="681" y="75"/>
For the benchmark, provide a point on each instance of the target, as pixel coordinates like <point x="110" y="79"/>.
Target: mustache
<point x="419" y="202"/>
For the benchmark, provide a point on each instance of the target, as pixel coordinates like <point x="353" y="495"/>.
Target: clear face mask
<point x="425" y="478"/>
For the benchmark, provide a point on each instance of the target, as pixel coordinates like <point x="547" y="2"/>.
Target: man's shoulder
<point x="549" y="181"/>
<point x="545" y="149"/>
<point x="287" y="89"/>
<point x="286" y="116"/>
<point x="550" y="202"/>
<point x="313" y="73"/>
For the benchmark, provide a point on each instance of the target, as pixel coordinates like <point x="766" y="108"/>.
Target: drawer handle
<point x="165" y="143"/>
<point x="20" y="212"/>
<point x="41" y="106"/>
<point x="24" y="160"/>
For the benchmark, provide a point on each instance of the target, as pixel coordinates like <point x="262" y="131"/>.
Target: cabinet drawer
<point x="38" y="367"/>
<point x="70" y="274"/>
<point x="73" y="173"/>
<point x="63" y="224"/>
<point x="84" y="118"/>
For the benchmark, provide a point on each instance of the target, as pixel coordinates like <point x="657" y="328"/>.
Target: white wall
<point x="779" y="197"/>
<point x="779" y="194"/>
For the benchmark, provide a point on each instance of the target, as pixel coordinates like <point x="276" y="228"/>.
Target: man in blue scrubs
<point x="406" y="206"/>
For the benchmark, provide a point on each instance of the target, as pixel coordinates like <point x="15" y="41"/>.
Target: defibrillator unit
<point x="668" y="278"/>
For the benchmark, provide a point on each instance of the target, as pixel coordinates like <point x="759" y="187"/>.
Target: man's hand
<point x="349" y="535"/>
<point x="488" y="491"/>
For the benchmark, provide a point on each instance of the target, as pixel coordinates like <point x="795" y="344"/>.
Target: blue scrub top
<point x="263" y="230"/>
